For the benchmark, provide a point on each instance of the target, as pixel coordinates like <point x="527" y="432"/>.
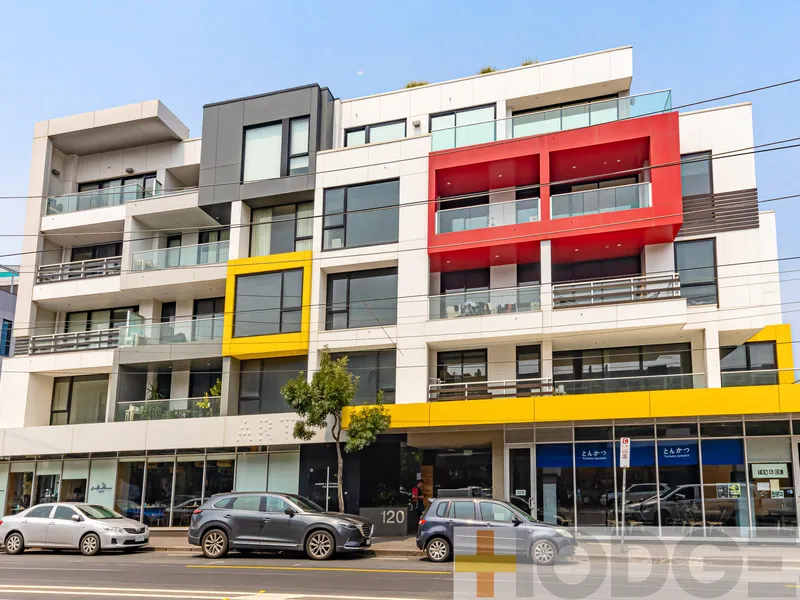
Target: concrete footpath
<point x="699" y="552"/>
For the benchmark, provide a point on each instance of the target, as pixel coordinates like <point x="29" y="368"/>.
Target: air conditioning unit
<point x="143" y="265"/>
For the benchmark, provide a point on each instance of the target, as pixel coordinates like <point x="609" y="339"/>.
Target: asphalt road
<point x="39" y="575"/>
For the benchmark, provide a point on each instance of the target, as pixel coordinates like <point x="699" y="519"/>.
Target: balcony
<point x="750" y="378"/>
<point x="482" y="390"/>
<point x="638" y="383"/>
<point x="81" y="269"/>
<point x="202" y="329"/>
<point x="80" y="201"/>
<point x="484" y="302"/>
<point x="495" y="214"/>
<point x="614" y="291"/>
<point x="550" y="121"/>
<point x="182" y="256"/>
<point x="592" y="202"/>
<point x="179" y="408"/>
<point x="66" y="342"/>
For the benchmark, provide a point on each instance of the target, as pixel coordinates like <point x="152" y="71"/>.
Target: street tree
<point x="322" y="401"/>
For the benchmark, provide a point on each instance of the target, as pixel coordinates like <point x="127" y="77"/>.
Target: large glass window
<point x="375" y="371"/>
<point x="626" y="266"/>
<point x="268" y="303"/>
<point x="641" y="486"/>
<point x="260" y="383"/>
<point x="158" y="493"/>
<point x="188" y="489"/>
<point x="298" y="146"/>
<point x="5" y="338"/>
<point x="772" y="492"/>
<point x="594" y="478"/>
<point x="464" y="127"/>
<point x="460" y="367"/>
<point x="128" y="496"/>
<point x="696" y="174"/>
<point x="679" y="471"/>
<point x="219" y="474"/>
<point x="658" y="367"/>
<point x="555" y="497"/>
<point x="278" y="229"/>
<point x="262" y="152"/>
<point x="753" y="363"/>
<point x="98" y="251"/>
<point x="724" y="483"/>
<point x="361" y="215"/>
<point x="372" y="134"/>
<point x="696" y="263"/>
<point x="362" y="299"/>
<point x="79" y="400"/>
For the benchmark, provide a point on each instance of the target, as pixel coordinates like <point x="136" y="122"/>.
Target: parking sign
<point x="625" y="452"/>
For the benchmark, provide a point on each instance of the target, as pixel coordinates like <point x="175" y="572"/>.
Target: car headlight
<point x="348" y="525"/>
<point x="117" y="530"/>
<point x="565" y="532"/>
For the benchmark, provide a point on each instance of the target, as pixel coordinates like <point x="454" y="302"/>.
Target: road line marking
<point x="19" y="587"/>
<point x="178" y="595"/>
<point x="343" y="569"/>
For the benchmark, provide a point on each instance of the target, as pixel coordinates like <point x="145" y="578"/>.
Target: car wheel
<point x="320" y="545"/>
<point x="90" y="544"/>
<point x="15" y="543"/>
<point x="214" y="544"/>
<point x="543" y="552"/>
<point x="438" y="550"/>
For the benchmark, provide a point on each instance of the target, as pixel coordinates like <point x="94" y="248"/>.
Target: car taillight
<point x="197" y="511"/>
<point x="1" y="521"/>
<point x="422" y="521"/>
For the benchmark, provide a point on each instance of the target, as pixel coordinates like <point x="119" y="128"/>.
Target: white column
<point x="240" y="230"/>
<point x="547" y="359"/>
<point x="546" y="269"/>
<point x="711" y="356"/>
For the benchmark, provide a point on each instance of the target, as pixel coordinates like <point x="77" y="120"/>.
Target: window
<point x="362" y="299"/>
<point x="268" y="303"/>
<point x="375" y="371"/>
<point x="441" y="508"/>
<point x="696" y="263"/>
<point x="247" y="503"/>
<point x="696" y="178"/>
<point x="372" y="134"/>
<point x="261" y="381"/>
<point x="361" y="215"/>
<point x="262" y="152"/>
<point x="462" y="509"/>
<point x="65" y="513"/>
<point x="5" y="338"/>
<point x="208" y="316"/>
<point x="276" y="505"/>
<point x="496" y="513"/>
<point x="278" y="229"/>
<point x="528" y="362"/>
<point x="298" y="146"/>
<point x="464" y="127"/>
<point x="112" y="192"/>
<point x="462" y="366"/>
<point x="626" y="266"/>
<point x="94" y="320"/>
<point x="40" y="512"/>
<point x="79" y="400"/>
<point x="753" y="363"/>
<point x="98" y="251"/>
<point x="464" y="281"/>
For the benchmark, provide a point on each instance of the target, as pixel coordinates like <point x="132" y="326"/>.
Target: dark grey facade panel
<point x="714" y="213"/>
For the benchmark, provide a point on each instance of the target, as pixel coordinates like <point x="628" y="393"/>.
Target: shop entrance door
<point x="521" y="485"/>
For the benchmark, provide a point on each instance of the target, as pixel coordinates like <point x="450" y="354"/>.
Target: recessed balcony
<point x="481" y="216"/>
<point x="171" y="408"/>
<point x="473" y="303"/>
<point x="79" y="269"/>
<point x="100" y="339"/>
<point x="180" y="256"/>
<point x="90" y="199"/>
<point x="612" y="291"/>
<point x="597" y="201"/>
<point x="179" y="331"/>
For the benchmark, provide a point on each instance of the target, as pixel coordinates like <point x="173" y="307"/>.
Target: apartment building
<point x="530" y="264"/>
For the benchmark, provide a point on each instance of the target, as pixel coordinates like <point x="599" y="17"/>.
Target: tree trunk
<point x="336" y="431"/>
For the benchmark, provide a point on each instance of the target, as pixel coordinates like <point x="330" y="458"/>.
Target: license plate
<point x="369" y="542"/>
<point x="138" y="538"/>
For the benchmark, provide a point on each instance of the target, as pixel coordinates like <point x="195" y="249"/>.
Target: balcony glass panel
<point x="173" y="332"/>
<point x="181" y="256"/>
<point x="484" y="302"/>
<point x="748" y="378"/>
<point x="115" y="196"/>
<point x="592" y="202"/>
<point x="630" y="384"/>
<point x="178" y="408"/>
<point x="482" y="216"/>
<point x="612" y="291"/>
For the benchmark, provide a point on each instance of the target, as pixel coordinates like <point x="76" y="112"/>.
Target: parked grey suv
<point x="253" y="521"/>
<point x="540" y="542"/>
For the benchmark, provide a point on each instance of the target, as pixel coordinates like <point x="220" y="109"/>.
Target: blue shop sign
<point x="642" y="454"/>
<point x="594" y="454"/>
<point x="677" y="453"/>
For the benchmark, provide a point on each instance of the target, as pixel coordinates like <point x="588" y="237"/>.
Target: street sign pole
<point x="624" y="462"/>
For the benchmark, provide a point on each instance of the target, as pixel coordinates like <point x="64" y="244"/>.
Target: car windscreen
<point x="307" y="505"/>
<point x="95" y="511"/>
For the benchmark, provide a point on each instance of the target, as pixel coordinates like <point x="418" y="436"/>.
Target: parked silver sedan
<point x="89" y="528"/>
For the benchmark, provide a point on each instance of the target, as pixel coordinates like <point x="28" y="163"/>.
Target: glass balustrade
<point x="181" y="256"/>
<point x="80" y="201"/>
<point x="494" y="214"/>
<point x="484" y="302"/>
<point x="201" y="329"/>
<point x="592" y="202"/>
<point x="168" y="408"/>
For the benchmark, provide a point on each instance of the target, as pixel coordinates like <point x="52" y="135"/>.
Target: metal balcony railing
<point x="613" y="291"/>
<point x="180" y="331"/>
<point x="592" y="202"/>
<point x="494" y="214"/>
<point x="80" y="269"/>
<point x="484" y="302"/>
<point x="477" y="390"/>
<point x="66" y="342"/>
<point x="550" y="121"/>
<point x="169" y="408"/>
<point x="181" y="256"/>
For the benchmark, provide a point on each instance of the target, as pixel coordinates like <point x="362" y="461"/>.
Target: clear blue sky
<point x="65" y="58"/>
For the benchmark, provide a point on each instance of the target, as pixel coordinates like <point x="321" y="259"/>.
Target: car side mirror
<point x="516" y="521"/>
<point x="290" y="511"/>
<point x="77" y="518"/>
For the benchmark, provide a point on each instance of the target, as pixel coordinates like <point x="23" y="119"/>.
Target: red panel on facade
<point x="593" y="151"/>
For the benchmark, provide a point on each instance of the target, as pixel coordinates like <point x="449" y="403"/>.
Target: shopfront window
<point x="188" y="489"/>
<point x="555" y="493"/>
<point x="594" y="479"/>
<point x="219" y="475"/>
<point x="521" y="494"/>
<point x="74" y="476"/>
<point x="640" y="486"/>
<point x="771" y="484"/>
<point x="724" y="484"/>
<point x="48" y="478"/>
<point x="678" y="470"/>
<point x="128" y="498"/>
<point x="19" y="489"/>
<point x="158" y="493"/>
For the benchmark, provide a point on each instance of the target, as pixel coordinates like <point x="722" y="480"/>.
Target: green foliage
<point x="413" y="84"/>
<point x="530" y="61"/>
<point x="152" y="392"/>
<point x="152" y="412"/>
<point x="205" y="404"/>
<point x="487" y="69"/>
<point x="366" y="423"/>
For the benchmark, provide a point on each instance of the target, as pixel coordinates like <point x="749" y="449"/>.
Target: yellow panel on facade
<point x="479" y="412"/>
<point x="782" y="336"/>
<point x="580" y="407"/>
<point x="789" y="398"/>
<point x="403" y="415"/>
<point x="275" y="345"/>
<point x="715" y="401"/>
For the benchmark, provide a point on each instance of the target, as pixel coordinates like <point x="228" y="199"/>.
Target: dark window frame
<point x="286" y="133"/>
<point x="528" y="348"/>
<point x="366" y="129"/>
<point x="94" y="248"/>
<point x="90" y="312"/>
<point x="695" y="157"/>
<point x="68" y="409"/>
<point x="456" y="111"/>
<point x="713" y="241"/>
<point x="307" y="153"/>
<point x="125" y="180"/>
<point x="5" y="337"/>
<point x="344" y="213"/>
<point x="748" y="360"/>
<point x="449" y="353"/>
<point x="348" y="276"/>
<point x="578" y="357"/>
<point x="297" y="238"/>
<point x="281" y="309"/>
<point x="378" y="367"/>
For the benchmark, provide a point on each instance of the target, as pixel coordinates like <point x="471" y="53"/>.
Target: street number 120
<point x="393" y="516"/>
